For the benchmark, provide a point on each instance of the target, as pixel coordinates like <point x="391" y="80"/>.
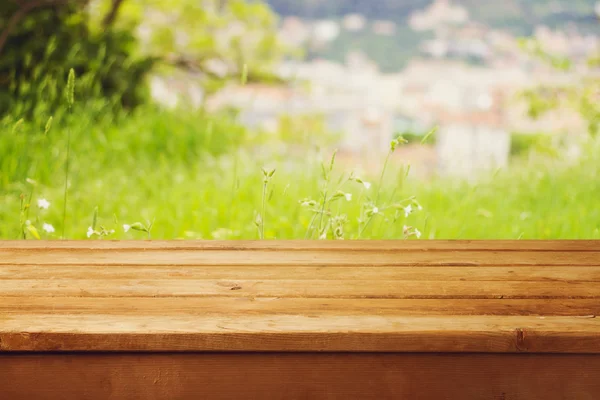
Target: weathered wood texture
<point x="300" y="320"/>
<point x="291" y="376"/>
<point x="296" y="296"/>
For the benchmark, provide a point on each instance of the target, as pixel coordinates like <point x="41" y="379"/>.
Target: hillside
<point x="392" y="51"/>
<point x="519" y="16"/>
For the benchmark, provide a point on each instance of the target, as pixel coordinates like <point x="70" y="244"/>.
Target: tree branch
<point x="109" y="19"/>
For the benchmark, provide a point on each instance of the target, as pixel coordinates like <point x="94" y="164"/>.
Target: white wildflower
<point x="126" y="227"/>
<point x="48" y="228"/>
<point x="407" y="210"/>
<point x="417" y="233"/>
<point x="367" y="185"/>
<point x="43" y="204"/>
<point x="90" y="232"/>
<point x="375" y="210"/>
<point x="348" y="196"/>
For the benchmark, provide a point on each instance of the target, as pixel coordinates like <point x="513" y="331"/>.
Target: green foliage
<point x="216" y="40"/>
<point x="219" y="40"/>
<point x="152" y="164"/>
<point x="48" y="42"/>
<point x="523" y="143"/>
<point x="306" y="130"/>
<point x="145" y="137"/>
<point x="581" y="96"/>
<point x="187" y="174"/>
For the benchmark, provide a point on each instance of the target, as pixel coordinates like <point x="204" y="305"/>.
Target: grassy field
<point x="196" y="176"/>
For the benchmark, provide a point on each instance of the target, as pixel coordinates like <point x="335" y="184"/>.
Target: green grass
<point x="197" y="176"/>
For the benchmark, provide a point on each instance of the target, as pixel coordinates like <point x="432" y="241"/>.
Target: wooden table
<point x="300" y="320"/>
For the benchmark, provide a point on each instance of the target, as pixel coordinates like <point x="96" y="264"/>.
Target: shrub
<point x="50" y="40"/>
<point x="524" y="143"/>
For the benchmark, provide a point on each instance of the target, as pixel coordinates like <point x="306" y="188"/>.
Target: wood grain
<point x="226" y="272"/>
<point x="297" y="333"/>
<point x="389" y="289"/>
<point x="300" y="376"/>
<point x="213" y="306"/>
<point x="293" y="258"/>
<point x="296" y="296"/>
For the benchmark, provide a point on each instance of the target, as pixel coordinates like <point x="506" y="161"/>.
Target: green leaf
<point x="332" y="162"/>
<point x="245" y="74"/>
<point x="31" y="229"/>
<point x="138" y="226"/>
<point x="95" y="218"/>
<point x="426" y="137"/>
<point x="71" y="88"/>
<point x="17" y="125"/>
<point x="48" y="126"/>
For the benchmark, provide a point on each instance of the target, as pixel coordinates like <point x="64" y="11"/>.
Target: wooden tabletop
<point x="300" y="296"/>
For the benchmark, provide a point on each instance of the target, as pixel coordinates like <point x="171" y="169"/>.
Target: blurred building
<point x="354" y="22"/>
<point x="325" y="31"/>
<point x="354" y="100"/>
<point x="473" y="139"/>
<point x="294" y="31"/>
<point x="384" y="28"/>
<point x="439" y="13"/>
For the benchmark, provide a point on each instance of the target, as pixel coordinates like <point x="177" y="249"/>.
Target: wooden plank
<point x="479" y="273"/>
<point x="52" y="256"/>
<point x="300" y="376"/>
<point x="208" y="306"/>
<point x="309" y="245"/>
<point x="387" y="289"/>
<point x="300" y="296"/>
<point x="299" y="333"/>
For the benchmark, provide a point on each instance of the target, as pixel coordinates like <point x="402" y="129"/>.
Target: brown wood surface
<point x="300" y="376"/>
<point x="225" y="272"/>
<point x="295" y="258"/>
<point x="296" y="296"/>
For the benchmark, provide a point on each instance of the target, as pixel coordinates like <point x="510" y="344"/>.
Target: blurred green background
<point x="114" y="164"/>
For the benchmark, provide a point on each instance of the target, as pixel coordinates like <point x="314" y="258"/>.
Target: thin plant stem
<point x="385" y="163"/>
<point x="322" y="209"/>
<point x="29" y="202"/>
<point x="312" y="221"/>
<point x="21" y="220"/>
<point x="70" y="101"/>
<point x="263" y="216"/>
<point x="66" y="182"/>
<point x="365" y="226"/>
<point x="233" y="184"/>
